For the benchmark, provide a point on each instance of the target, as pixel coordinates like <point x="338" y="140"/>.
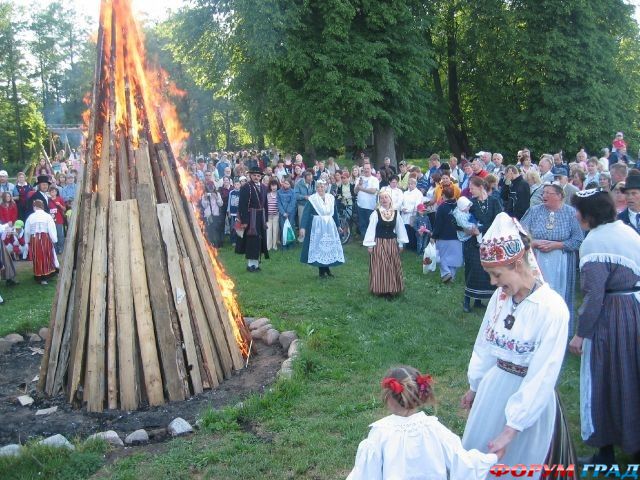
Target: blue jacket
<point x="624" y="216"/>
<point x="287" y="202"/>
<point x="445" y="227"/>
<point x="302" y="190"/>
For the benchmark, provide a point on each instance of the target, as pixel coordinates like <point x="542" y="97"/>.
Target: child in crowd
<point x="465" y="219"/>
<point x="409" y="444"/>
<point x="13" y="240"/>
<point x="273" y="217"/>
<point x="422" y="227"/>
<point x="234" y="201"/>
<point x="56" y="210"/>
<point x="618" y="142"/>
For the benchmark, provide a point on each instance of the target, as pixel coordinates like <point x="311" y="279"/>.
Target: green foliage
<point x="37" y="461"/>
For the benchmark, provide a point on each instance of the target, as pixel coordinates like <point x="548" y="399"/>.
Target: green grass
<point x="310" y="426"/>
<point x="27" y="305"/>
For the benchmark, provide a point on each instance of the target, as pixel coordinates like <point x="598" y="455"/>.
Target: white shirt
<point x="368" y="200"/>
<point x="40" y="222"/>
<point x="399" y="230"/>
<point x="633" y="218"/>
<point x="410" y="200"/>
<point x="537" y="340"/>
<point x="417" y="447"/>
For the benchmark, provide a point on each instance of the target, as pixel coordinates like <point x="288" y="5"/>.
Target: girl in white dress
<point x="410" y="445"/>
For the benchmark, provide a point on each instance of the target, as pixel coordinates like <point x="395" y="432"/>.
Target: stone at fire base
<point x="5" y="345"/>
<point x="179" y="426"/>
<point x="286" y="371"/>
<point x="294" y="348"/>
<point x="259" y="333"/>
<point x="25" y="400"/>
<point x="109" y="436"/>
<point x="286" y="338"/>
<point x="12" y="450"/>
<point x="57" y="441"/>
<point x="34" y="337"/>
<point x="47" y="411"/>
<point x="256" y="324"/>
<point x="271" y="336"/>
<point x="137" y="437"/>
<point x="44" y="333"/>
<point x="248" y="321"/>
<point x="14" y="338"/>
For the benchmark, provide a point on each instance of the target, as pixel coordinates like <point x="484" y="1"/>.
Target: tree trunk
<point x="456" y="122"/>
<point x="227" y="128"/>
<point x="16" y="106"/>
<point x="384" y="144"/>
<point x="309" y="150"/>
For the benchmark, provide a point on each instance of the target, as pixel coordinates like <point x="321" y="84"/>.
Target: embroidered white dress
<point x="537" y="341"/>
<point x="418" y="447"/>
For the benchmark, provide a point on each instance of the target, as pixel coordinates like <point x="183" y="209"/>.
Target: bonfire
<point x="144" y="312"/>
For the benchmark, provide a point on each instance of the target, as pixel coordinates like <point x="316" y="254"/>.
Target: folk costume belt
<point x="518" y="370"/>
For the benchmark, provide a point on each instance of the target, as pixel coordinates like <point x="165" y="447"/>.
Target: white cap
<point x="619" y="134"/>
<point x="242" y="178"/>
<point x="3" y="173"/>
<point x="463" y="203"/>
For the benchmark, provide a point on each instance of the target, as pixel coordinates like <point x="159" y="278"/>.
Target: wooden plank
<point x="210" y="358"/>
<point x="224" y="316"/>
<point x="112" y="349"/>
<point x="78" y="335"/>
<point x="94" y="383"/>
<point x="175" y="378"/>
<point x="127" y="373"/>
<point x="123" y="168"/>
<point x="195" y="256"/>
<point x="63" y="362"/>
<point x="144" y="320"/>
<point x="59" y="315"/>
<point x="179" y="294"/>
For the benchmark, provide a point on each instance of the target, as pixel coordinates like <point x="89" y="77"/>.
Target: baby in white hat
<point x="465" y="219"/>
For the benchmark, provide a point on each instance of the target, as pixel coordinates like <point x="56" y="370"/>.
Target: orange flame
<point x="193" y="191"/>
<point x="143" y="108"/>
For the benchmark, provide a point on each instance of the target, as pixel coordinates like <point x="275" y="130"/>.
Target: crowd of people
<point x="524" y="232"/>
<point x="34" y="215"/>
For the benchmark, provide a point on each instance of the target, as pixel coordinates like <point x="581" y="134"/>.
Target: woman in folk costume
<point x="322" y="247"/>
<point x="608" y="329"/>
<point x="517" y="356"/>
<point x="40" y="236"/>
<point x="252" y="218"/>
<point x="384" y="238"/>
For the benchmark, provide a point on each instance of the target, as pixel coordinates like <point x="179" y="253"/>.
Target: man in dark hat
<point x="252" y="215"/>
<point x="631" y="214"/>
<point x="41" y="193"/>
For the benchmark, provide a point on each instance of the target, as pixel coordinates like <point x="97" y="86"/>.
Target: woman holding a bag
<point x="322" y="247"/>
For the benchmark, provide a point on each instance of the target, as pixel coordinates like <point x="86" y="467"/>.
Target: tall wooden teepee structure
<point x="143" y="313"/>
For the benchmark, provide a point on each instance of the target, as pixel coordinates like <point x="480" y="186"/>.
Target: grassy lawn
<point x="27" y="305"/>
<point x="310" y="426"/>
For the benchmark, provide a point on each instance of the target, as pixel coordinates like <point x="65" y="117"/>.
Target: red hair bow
<point x="424" y="382"/>
<point x="392" y="384"/>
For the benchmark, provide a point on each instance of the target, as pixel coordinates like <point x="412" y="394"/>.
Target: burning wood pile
<point x="143" y="312"/>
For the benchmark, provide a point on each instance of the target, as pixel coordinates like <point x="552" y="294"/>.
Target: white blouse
<point x="399" y="230"/>
<point x="537" y="340"/>
<point x="418" y="447"/>
<point x="40" y="222"/>
<point x="410" y="200"/>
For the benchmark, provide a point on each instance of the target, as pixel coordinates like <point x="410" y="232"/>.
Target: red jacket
<point x="9" y="213"/>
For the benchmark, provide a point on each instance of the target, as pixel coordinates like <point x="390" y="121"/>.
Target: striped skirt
<point x="42" y="256"/>
<point x="385" y="268"/>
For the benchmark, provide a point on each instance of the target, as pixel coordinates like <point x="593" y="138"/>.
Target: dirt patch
<point x="20" y="365"/>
